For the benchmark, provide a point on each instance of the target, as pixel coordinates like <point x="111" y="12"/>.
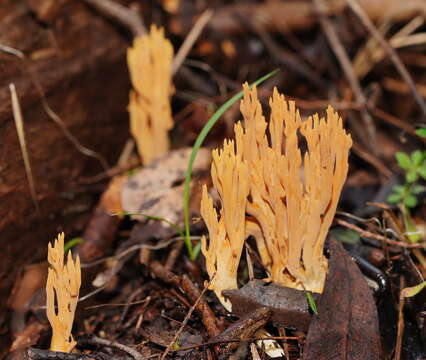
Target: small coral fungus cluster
<point x="269" y="190"/>
<point x="150" y="66"/>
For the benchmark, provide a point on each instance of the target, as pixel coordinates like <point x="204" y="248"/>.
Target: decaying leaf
<point x="347" y="325"/>
<point x="150" y="66"/>
<point x="157" y="188"/>
<point x="62" y="289"/>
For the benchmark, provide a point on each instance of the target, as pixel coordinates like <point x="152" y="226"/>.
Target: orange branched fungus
<point x="62" y="289"/>
<point x="227" y="233"/>
<point x="292" y="197"/>
<point x="150" y="66"/>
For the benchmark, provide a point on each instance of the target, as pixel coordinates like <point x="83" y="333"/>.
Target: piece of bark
<point x="294" y="15"/>
<point x="79" y="60"/>
<point x="289" y="306"/>
<point x="192" y="292"/>
<point x="243" y="329"/>
<point x="346" y="326"/>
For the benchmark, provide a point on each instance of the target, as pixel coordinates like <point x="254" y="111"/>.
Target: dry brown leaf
<point x="157" y="189"/>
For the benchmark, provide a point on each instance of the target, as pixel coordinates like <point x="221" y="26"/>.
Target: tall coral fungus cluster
<point x="285" y="199"/>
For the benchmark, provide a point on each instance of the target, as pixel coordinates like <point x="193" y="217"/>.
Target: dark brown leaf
<point x="347" y="325"/>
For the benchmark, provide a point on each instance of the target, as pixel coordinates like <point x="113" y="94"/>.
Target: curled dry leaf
<point x="62" y="289"/>
<point x="150" y="66"/>
<point x="157" y="189"/>
<point x="347" y="325"/>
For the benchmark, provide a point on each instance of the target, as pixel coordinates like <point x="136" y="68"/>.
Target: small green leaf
<point x="411" y="176"/>
<point x="417" y="157"/>
<point x="410" y="201"/>
<point x="346" y="236"/>
<point x="394" y="198"/>
<point x="421" y="132"/>
<point x="417" y="189"/>
<point x="413" y="290"/>
<point x="403" y="160"/>
<point x="71" y="243"/>
<point x="311" y="302"/>
<point x="422" y="171"/>
<point x="398" y="189"/>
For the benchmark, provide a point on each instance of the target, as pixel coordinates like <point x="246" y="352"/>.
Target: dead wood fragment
<point x="288" y="306"/>
<point x="125" y="16"/>
<point x="192" y="292"/>
<point x="76" y="78"/>
<point x="243" y="329"/>
<point x="296" y="15"/>
<point x="39" y="354"/>
<point x="114" y="344"/>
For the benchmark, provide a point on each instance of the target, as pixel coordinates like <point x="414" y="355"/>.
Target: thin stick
<point x="19" y="123"/>
<point x="125" y="16"/>
<point x="346" y="65"/>
<point x="369" y="234"/>
<point x="185" y="321"/>
<point x="190" y="39"/>
<point x="12" y="51"/>
<point x="372" y="159"/>
<point x="400" y="67"/>
<point x="127" y="349"/>
<point x="400" y="332"/>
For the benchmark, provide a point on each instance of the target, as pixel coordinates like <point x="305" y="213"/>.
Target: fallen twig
<point x="369" y="234"/>
<point x="109" y="343"/>
<point x="190" y="39"/>
<point x="19" y="123"/>
<point x="400" y="67"/>
<point x="346" y="65"/>
<point x="125" y="16"/>
<point x="184" y="322"/>
<point x="192" y="292"/>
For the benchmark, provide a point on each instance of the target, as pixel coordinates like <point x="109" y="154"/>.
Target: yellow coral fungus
<point x="62" y="289"/>
<point x="226" y="233"/>
<point x="150" y="66"/>
<point x="292" y="197"/>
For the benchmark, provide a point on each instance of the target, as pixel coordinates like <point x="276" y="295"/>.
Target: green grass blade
<point x="71" y="243"/>
<point x="311" y="302"/>
<point x="197" y="145"/>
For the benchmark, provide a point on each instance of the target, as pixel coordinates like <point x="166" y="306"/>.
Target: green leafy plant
<point x="414" y="166"/>
<point x="421" y="132"/>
